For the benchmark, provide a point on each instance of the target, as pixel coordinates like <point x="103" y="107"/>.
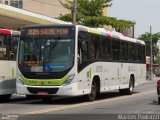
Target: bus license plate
<point x="42" y="93"/>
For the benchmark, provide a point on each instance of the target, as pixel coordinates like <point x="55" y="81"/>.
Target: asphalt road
<point x="109" y="105"/>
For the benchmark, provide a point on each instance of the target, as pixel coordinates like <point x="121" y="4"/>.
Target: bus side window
<point x="13" y="45"/>
<point x="84" y="50"/>
<point x="94" y="50"/>
<point x="3" y="55"/>
<point x="105" y="48"/>
<point x="124" y="51"/>
<point x="83" y="46"/>
<point x="131" y="52"/>
<point x="116" y="50"/>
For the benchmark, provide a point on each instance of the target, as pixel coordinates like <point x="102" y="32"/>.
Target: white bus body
<point x="91" y="71"/>
<point x="8" y="47"/>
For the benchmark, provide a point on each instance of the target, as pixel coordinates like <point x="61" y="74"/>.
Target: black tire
<point x="30" y="97"/>
<point x="92" y="96"/>
<point x="159" y="100"/>
<point x="47" y="98"/>
<point x="128" y="91"/>
<point x="4" y="98"/>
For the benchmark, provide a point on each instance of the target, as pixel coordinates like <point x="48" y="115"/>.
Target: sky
<point x="145" y="13"/>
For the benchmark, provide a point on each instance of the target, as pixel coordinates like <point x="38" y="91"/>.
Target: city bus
<point x="8" y="50"/>
<point x="75" y="60"/>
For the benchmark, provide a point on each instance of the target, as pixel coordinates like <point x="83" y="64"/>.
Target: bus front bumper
<point x="68" y="90"/>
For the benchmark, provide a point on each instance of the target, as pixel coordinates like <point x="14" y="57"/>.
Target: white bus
<point x="74" y="60"/>
<point x="8" y="49"/>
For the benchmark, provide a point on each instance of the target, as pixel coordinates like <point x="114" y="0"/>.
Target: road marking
<point x="85" y="104"/>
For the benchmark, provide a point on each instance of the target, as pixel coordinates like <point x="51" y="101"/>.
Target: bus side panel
<point x="3" y="75"/>
<point x="127" y="69"/>
<point x="7" y="77"/>
<point x="110" y="76"/>
<point x="1" y="86"/>
<point x="10" y="84"/>
<point x="141" y="73"/>
<point x="86" y="77"/>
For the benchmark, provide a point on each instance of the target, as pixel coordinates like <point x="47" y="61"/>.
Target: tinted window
<point x="94" y="45"/>
<point x="124" y="51"/>
<point x="3" y="51"/>
<point x="105" y="48"/>
<point x="13" y="45"/>
<point x="116" y="50"/>
<point x="131" y="52"/>
<point x="139" y="54"/>
<point x="144" y="54"/>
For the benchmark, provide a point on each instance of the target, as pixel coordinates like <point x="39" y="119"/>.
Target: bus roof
<point x="112" y="34"/>
<point x="98" y="31"/>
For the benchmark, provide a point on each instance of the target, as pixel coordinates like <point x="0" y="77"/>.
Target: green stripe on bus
<point x="44" y="82"/>
<point x="90" y="73"/>
<point x="12" y="72"/>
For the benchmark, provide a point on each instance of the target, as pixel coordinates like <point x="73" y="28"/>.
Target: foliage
<point x="147" y="39"/>
<point x="90" y="13"/>
<point x="103" y="21"/>
<point x="88" y="7"/>
<point x="157" y="60"/>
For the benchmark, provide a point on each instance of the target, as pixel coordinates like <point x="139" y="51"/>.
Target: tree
<point x="88" y="7"/>
<point x="147" y="38"/>
<point x="90" y="13"/>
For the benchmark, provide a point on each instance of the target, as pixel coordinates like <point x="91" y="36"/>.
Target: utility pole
<point x="151" y="60"/>
<point x="74" y="11"/>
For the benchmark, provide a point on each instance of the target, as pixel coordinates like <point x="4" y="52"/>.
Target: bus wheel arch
<point x="132" y="78"/>
<point x="95" y="88"/>
<point x="130" y="89"/>
<point x="96" y="78"/>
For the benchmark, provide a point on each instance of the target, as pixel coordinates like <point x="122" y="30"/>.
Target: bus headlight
<point x="69" y="80"/>
<point x="20" y="81"/>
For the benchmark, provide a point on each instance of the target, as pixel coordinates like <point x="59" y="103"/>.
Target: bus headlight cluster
<point x="69" y="80"/>
<point x="20" y="81"/>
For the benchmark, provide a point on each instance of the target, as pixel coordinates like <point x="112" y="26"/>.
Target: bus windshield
<point x="46" y="53"/>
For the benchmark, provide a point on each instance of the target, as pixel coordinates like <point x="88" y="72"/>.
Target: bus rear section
<point x="8" y="49"/>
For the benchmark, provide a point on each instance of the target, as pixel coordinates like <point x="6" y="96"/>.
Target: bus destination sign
<point x="48" y="31"/>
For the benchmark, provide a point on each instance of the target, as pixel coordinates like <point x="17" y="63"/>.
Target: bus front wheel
<point x="93" y="94"/>
<point x="30" y="97"/>
<point x="46" y="98"/>
<point x="4" y="98"/>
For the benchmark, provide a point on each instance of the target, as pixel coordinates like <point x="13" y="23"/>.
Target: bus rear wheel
<point x="93" y="94"/>
<point x="128" y="91"/>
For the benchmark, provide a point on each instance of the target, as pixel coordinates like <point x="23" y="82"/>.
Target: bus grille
<point x="47" y="90"/>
